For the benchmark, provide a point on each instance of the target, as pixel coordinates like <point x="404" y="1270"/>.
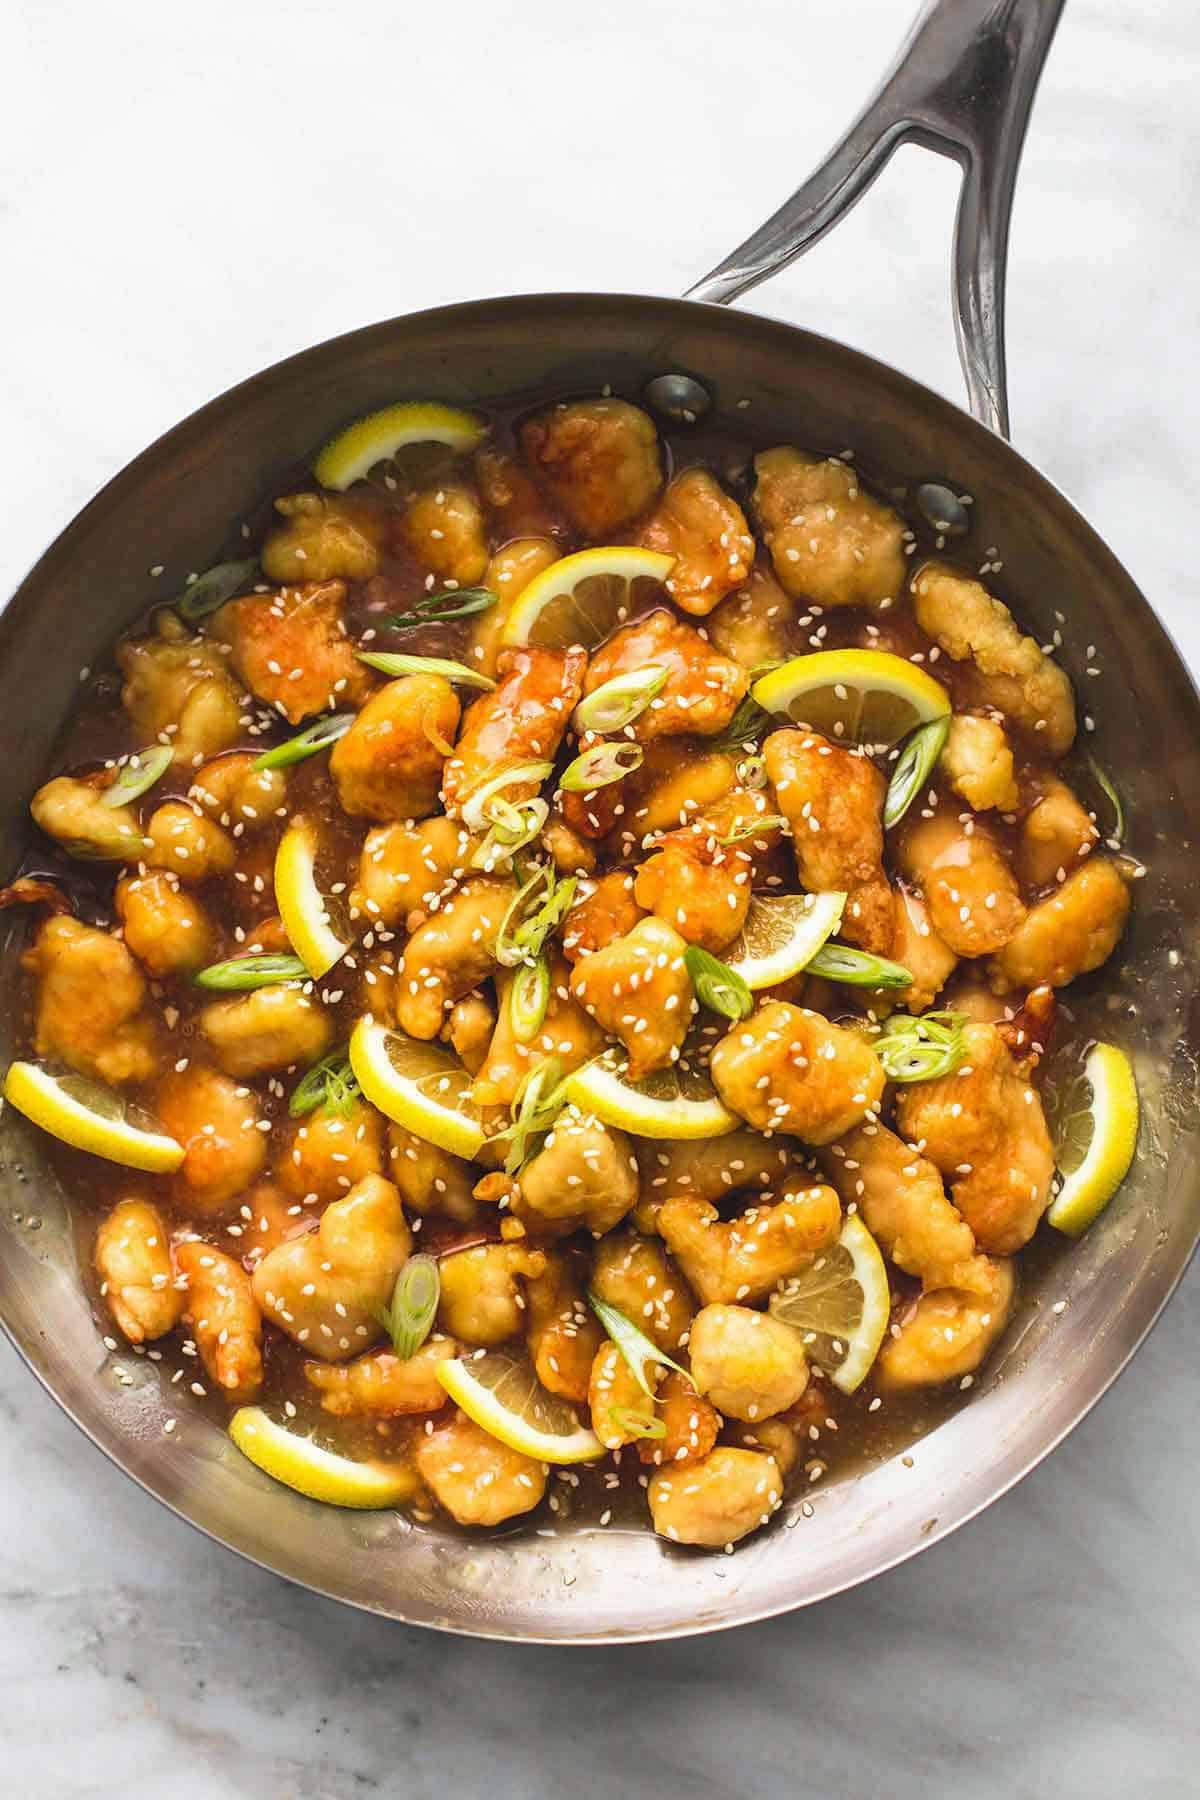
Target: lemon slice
<point x="506" y="1398"/>
<point x="305" y="911"/>
<point x="351" y="455"/>
<point x="781" y="935"/>
<point x="856" y="696"/>
<point x="672" y="1103"/>
<point x="1096" y="1134"/>
<point x="419" y="1086"/>
<point x="301" y="1464"/>
<point x="841" y="1302"/>
<point x="91" y="1117"/>
<point x="581" y="598"/>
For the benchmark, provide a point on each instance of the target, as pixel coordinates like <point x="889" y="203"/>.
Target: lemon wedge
<point x="854" y="696"/>
<point x="301" y="1464"/>
<point x="91" y="1117"/>
<point x="781" y="935"/>
<point x="419" y="1086"/>
<point x="841" y="1302"/>
<point x="505" y="1398"/>
<point x="671" y="1103"/>
<point x="581" y="598"/>
<point x="353" y="453"/>
<point x="305" y="911"/>
<point x="1096" y="1134"/>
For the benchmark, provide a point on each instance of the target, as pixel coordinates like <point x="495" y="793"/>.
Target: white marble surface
<point x="189" y="193"/>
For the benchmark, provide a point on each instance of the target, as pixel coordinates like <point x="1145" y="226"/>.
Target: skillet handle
<point x="962" y="85"/>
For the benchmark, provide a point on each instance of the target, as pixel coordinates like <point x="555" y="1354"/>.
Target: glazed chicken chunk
<point x="450" y="954"/>
<point x="900" y="1195"/>
<point x="483" y="1298"/>
<point x="638" y="1276"/>
<point x="946" y="1334"/>
<point x="788" y="1069"/>
<point x="274" y="1028"/>
<point x="562" y="1332"/>
<point x="708" y="1169"/>
<point x="833" y="801"/>
<point x="187" y="843"/>
<point x="224" y="1319"/>
<point x="324" y="537"/>
<point x="325" y="1289"/>
<point x="326" y="1153"/>
<point x="91" y="1008"/>
<point x="443" y="528"/>
<point x="638" y="988"/>
<point x="702" y="689"/>
<point x="758" y="624"/>
<point x="746" y="1257"/>
<point x="292" y="651"/>
<point x="381" y="1385"/>
<point x="389" y="764"/>
<point x="430" y="1180"/>
<point x="566" y="1032"/>
<point x="695" y="884"/>
<point x="511" y="568"/>
<point x="234" y="793"/>
<point x="513" y="499"/>
<point x="216" y="1121"/>
<point x="718" y="1500"/>
<point x="978" y="763"/>
<point x="1069" y="933"/>
<point x="478" y="1480"/>
<point x="75" y="814"/>
<point x="137" y="1282"/>
<point x="964" y="878"/>
<point x="178" y="691"/>
<point x="917" y="947"/>
<point x="606" y="912"/>
<point x="584" y="1177"/>
<point x="406" y="870"/>
<point x="1055" y="835"/>
<point x="705" y="530"/>
<point x="167" y="928"/>
<point x="829" y="541"/>
<point x="749" y="1364"/>
<point x="599" y="461"/>
<point x="522" y="720"/>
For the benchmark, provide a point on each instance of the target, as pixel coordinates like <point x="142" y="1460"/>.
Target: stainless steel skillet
<point x="962" y="86"/>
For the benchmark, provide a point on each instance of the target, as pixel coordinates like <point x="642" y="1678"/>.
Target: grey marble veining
<point x="191" y="193"/>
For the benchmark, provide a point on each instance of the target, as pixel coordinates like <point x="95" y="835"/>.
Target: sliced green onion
<point x="437" y="609"/>
<point x="394" y="662"/>
<point x="241" y="974"/>
<point x="637" y="1349"/>
<point x="748" y="722"/>
<point x="138" y="775"/>
<point x="617" y="703"/>
<point x="716" y="984"/>
<point x="409" y="1319"/>
<point x="532" y="933"/>
<point x="529" y="999"/>
<point x="921" y="1048"/>
<point x="601" y="765"/>
<point x="837" y="962"/>
<point x="538" y="1102"/>
<point x="320" y="735"/>
<point x="475" y="814"/>
<point x="1116" y="836"/>
<point x="216" y="586"/>
<point x="508" y="952"/>
<point x="752" y="771"/>
<point x="503" y="841"/>
<point x="330" y="1083"/>
<point x="752" y="827"/>
<point x="914" y="767"/>
<point x="632" y="1425"/>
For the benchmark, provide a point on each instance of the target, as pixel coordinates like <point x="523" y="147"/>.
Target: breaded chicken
<point x="917" y="947"/>
<point x="638" y="988"/>
<point x="718" y="1500"/>
<point x="443" y="528"/>
<point x="705" y="530"/>
<point x="833" y="801"/>
<point x="749" y="1364"/>
<point x="521" y="720"/>
<point x="1074" y="930"/>
<point x="641" y="1279"/>
<point x="132" y="1256"/>
<point x="326" y="1289"/>
<point x="947" y="1332"/>
<point x="702" y="689"/>
<point x="900" y="1195"/>
<point x="178" y="691"/>
<point x="744" y="1258"/>
<point x="977" y="761"/>
<point x="1055" y="835"/>
<point x="450" y="954"/>
<point x="389" y="764"/>
<point x="788" y="1069"/>
<point x="759" y="624"/>
<point x="964" y="878"/>
<point x="698" y="886"/>
<point x="325" y="537"/>
<point x="405" y="870"/>
<point x="598" y="459"/>
<point x="829" y="540"/>
<point x="91" y="1005"/>
<point x="291" y="650"/>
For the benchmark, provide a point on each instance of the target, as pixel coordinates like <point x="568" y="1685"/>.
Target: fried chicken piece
<point x="639" y="990"/>
<point x="178" y="691"/>
<point x="388" y="766"/>
<point x="833" y="801"/>
<point x="292" y="651"/>
<point x="513" y="501"/>
<point x="324" y="537"/>
<point x="430" y="1180"/>
<point x="137" y="1283"/>
<point x="977" y="762"/>
<point x="216" y="1122"/>
<point x="776" y="1436"/>
<point x="622" y="1412"/>
<point x="965" y="880"/>
<point x="167" y="929"/>
<point x="510" y="570"/>
<point x="266" y="1218"/>
<point x="521" y="720"/>
<point x="476" y="1478"/>
<point x="325" y="1153"/>
<point x="747" y="1257"/>
<point x="702" y="689"/>
<point x="443" y="528"/>
<point x="1055" y="835"/>
<point x="600" y="461"/>
<point x="325" y="1289"/>
<point x="745" y="818"/>
<point x="697" y="886"/>
<point x="1071" y="932"/>
<point x="224" y="1319"/>
<point x="679" y="780"/>
<point x="90" y="1010"/>
<point x="233" y="792"/>
<point x="1011" y="672"/>
<point x="917" y="947"/>
<point x="566" y="1032"/>
<point x="450" y="954"/>
<point x="260" y="1033"/>
<point x="570" y="853"/>
<point x="705" y="530"/>
<point x="788" y="1069"/>
<point x="469" y="1029"/>
<point x="707" y="1169"/>
<point x="637" y="1276"/>
<point x="483" y="1300"/>
<point x="405" y="871"/>
<point x="829" y="540"/>
<point x="948" y="1332"/>
<point x="607" y="912"/>
<point x="759" y="624"/>
<point x="715" y="1501"/>
<point x="749" y="1364"/>
<point x="691" y="1424"/>
<point x="382" y="1385"/>
<point x="182" y="840"/>
<point x="900" y="1195"/>
<point x="562" y="1332"/>
<point x="984" y="1128"/>
<point x="583" y="1177"/>
<point x="74" y="814"/>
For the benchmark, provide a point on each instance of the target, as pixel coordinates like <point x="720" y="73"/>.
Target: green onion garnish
<point x="476" y="812"/>
<point x="752" y="771"/>
<point x="528" y="999"/>
<point x="515" y="827"/>
<point x="1116" y="836"/>
<point x="532" y="916"/>
<point x="914" y="767"/>
<point x="538" y="1102"/>
<point x="632" y="1425"/>
<point x="752" y="828"/>
<point x="637" y="1349"/>
<point x="436" y="609"/>
<point x="216" y="586"/>
<point x="921" y="1048"/>
<point x="837" y="962"/>
<point x="241" y="974"/>
<point x="138" y="775"/>
<point x="617" y="703"/>
<point x="409" y="1319"/>
<point x="599" y="766"/>
<point x="315" y="737"/>
<point x="716" y="984"/>
<point x="330" y="1083"/>
<point x="748" y="722"/>
<point x="394" y="662"/>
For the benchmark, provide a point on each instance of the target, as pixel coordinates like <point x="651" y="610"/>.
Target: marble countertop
<point x="189" y="194"/>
